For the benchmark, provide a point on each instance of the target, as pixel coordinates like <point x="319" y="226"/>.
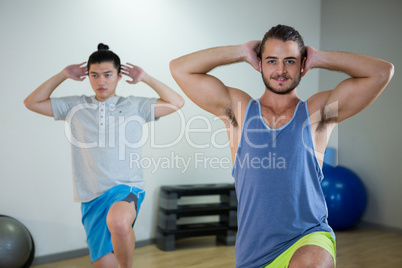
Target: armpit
<point x="326" y="116"/>
<point x="229" y="114"/>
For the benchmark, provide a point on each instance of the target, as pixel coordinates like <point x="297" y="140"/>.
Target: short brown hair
<point x="284" y="33"/>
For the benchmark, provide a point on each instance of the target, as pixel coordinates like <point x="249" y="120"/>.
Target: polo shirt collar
<point x="111" y="100"/>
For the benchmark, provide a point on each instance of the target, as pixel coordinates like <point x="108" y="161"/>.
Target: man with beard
<point x="282" y="215"/>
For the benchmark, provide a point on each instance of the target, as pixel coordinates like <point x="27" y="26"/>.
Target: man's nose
<point x="281" y="68"/>
<point x="101" y="80"/>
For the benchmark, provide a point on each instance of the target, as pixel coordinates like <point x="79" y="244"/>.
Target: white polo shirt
<point x="103" y="137"/>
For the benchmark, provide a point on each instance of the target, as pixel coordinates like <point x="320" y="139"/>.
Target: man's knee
<point x="309" y="264"/>
<point x="311" y="256"/>
<point x="120" y="219"/>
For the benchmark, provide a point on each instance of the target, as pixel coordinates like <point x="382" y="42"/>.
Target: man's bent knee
<point x="120" y="218"/>
<point x="311" y="256"/>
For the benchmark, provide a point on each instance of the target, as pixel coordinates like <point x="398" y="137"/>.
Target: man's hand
<point x="252" y="49"/>
<point x="309" y="61"/>
<point x="76" y="72"/>
<point x="132" y="71"/>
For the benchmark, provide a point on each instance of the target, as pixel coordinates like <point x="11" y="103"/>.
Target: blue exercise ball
<point x="16" y="244"/>
<point x="345" y="195"/>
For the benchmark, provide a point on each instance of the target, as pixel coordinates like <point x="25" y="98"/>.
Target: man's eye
<point x="289" y="62"/>
<point x="271" y="61"/>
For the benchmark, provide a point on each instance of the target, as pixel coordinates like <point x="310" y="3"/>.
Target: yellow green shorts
<point x="321" y="239"/>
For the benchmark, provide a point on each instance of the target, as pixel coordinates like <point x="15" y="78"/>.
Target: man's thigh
<point x="319" y="246"/>
<point x="121" y="212"/>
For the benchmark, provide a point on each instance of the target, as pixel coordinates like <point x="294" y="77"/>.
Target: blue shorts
<point x="94" y="217"/>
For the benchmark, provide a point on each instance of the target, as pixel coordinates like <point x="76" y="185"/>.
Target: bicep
<point x="353" y="95"/>
<point x="206" y="91"/>
<point x="43" y="107"/>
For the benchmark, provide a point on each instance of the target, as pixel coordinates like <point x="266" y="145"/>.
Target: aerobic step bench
<point x="170" y="210"/>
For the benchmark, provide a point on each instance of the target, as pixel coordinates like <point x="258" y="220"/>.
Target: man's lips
<point x="280" y="79"/>
<point x="101" y="89"/>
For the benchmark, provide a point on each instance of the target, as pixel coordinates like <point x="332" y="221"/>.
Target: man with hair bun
<point x="282" y="215"/>
<point x="109" y="189"/>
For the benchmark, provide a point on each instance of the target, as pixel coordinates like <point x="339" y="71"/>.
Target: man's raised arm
<point x="369" y="77"/>
<point x="39" y="100"/>
<point x="169" y="100"/>
<point x="208" y="92"/>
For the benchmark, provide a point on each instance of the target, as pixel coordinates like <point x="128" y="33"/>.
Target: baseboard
<point x="79" y="253"/>
<point x="84" y="251"/>
<point x="380" y="227"/>
<point x="61" y="256"/>
<point x="145" y="242"/>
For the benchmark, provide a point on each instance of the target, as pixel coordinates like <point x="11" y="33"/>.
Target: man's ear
<point x="303" y="65"/>
<point x="120" y="75"/>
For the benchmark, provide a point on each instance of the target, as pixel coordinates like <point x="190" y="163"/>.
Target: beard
<point x="282" y="91"/>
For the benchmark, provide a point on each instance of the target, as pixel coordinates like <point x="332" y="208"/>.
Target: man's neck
<point x="279" y="102"/>
<point x="103" y="99"/>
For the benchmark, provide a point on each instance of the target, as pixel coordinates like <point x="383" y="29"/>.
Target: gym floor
<point x="359" y="247"/>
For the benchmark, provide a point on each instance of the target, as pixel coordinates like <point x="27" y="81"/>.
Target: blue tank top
<point x="277" y="178"/>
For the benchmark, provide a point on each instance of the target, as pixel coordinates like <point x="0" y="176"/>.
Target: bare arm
<point x="369" y="77"/>
<point x="39" y="100"/>
<point x="208" y="92"/>
<point x="169" y="101"/>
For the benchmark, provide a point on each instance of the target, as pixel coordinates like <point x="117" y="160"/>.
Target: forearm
<point x="355" y="65"/>
<point x="165" y="93"/>
<point x="43" y="92"/>
<point x="203" y="61"/>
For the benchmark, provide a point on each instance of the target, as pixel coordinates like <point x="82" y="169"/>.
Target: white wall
<point x="39" y="38"/>
<point x="369" y="143"/>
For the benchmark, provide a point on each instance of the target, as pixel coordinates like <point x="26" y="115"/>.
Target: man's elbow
<point x="391" y="71"/>
<point x="173" y="68"/>
<point x="28" y="104"/>
<point x="180" y="102"/>
<point x="177" y="69"/>
<point x="387" y="72"/>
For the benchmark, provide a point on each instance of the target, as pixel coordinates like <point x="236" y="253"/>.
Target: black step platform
<point x="170" y="210"/>
<point x="167" y="219"/>
<point x="165" y="240"/>
<point x="169" y="195"/>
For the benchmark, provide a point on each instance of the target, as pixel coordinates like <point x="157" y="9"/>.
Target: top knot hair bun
<point x="103" y="54"/>
<point x="102" y="46"/>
